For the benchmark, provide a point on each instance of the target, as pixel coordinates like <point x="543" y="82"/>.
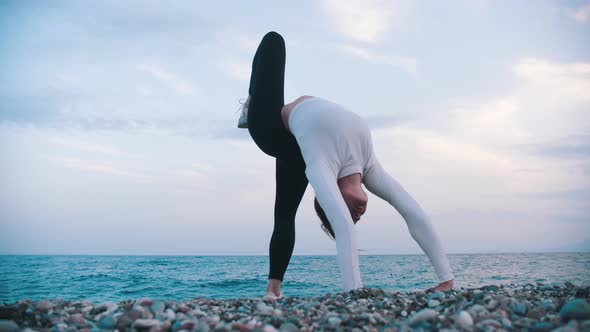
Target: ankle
<point x="274" y="286"/>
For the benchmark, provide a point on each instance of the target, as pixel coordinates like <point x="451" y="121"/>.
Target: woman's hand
<point x="442" y="287"/>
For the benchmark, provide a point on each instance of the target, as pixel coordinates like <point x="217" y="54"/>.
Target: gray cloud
<point x="580" y="195"/>
<point x="572" y="146"/>
<point x="384" y="121"/>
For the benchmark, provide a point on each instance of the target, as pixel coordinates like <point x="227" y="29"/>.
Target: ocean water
<point x="116" y="278"/>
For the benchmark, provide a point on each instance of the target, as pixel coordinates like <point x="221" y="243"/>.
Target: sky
<point x="118" y="122"/>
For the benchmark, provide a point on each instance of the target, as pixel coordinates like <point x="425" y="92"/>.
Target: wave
<point x="93" y="276"/>
<point x="233" y="282"/>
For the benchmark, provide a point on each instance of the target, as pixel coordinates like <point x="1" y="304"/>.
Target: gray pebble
<point x="288" y="327"/>
<point x="433" y="303"/>
<point x="489" y="322"/>
<point x="334" y="322"/>
<point x="437" y="296"/>
<point x="8" y="326"/>
<point x="157" y="306"/>
<point x="519" y="308"/>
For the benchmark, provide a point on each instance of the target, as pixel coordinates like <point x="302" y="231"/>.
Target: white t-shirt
<point x="336" y="143"/>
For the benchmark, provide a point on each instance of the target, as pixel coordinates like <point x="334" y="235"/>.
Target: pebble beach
<point x="532" y="307"/>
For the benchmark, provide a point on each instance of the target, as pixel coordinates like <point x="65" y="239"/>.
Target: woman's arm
<point x="324" y="183"/>
<point x="380" y="183"/>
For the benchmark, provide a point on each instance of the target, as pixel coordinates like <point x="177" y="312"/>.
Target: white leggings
<point x="383" y="185"/>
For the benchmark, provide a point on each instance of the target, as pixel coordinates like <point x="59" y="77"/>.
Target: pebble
<point x="264" y="309"/>
<point x="562" y="307"/>
<point x="157" y="306"/>
<point x="506" y="323"/>
<point x="170" y="314"/>
<point x="143" y="323"/>
<point x="8" y="326"/>
<point x="464" y="320"/>
<point x="107" y="322"/>
<point x="575" y="309"/>
<point x="489" y="322"/>
<point x="519" y="308"/>
<point x="77" y="319"/>
<point x="269" y="328"/>
<point x="45" y="306"/>
<point x="424" y="314"/>
<point x="334" y="322"/>
<point x="188" y="324"/>
<point x="146" y="302"/>
<point x="288" y="327"/>
<point x="437" y="296"/>
<point x="433" y="303"/>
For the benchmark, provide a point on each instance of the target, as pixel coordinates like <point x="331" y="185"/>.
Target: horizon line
<point x="302" y="255"/>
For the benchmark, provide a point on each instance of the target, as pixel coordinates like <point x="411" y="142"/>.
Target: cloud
<point x="235" y="37"/>
<point x="89" y="147"/>
<point x="550" y="103"/>
<point x="530" y="139"/>
<point x="179" y="84"/>
<point x="360" y="20"/>
<point x="532" y="68"/>
<point x="95" y="167"/>
<point x="582" y="14"/>
<point x="572" y="146"/>
<point x="404" y="63"/>
<point x="579" y="194"/>
<point x="237" y="69"/>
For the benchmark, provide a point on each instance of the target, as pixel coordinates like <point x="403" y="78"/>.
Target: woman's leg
<point x="268" y="132"/>
<point x="291" y="183"/>
<point x="267" y="96"/>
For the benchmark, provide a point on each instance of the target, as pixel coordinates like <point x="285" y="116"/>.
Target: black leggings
<point x="266" y="127"/>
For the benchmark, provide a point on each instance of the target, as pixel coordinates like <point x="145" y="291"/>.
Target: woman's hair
<point x="326" y="227"/>
<point x="325" y="223"/>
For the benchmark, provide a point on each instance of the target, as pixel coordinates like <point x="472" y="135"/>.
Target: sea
<point x="101" y="279"/>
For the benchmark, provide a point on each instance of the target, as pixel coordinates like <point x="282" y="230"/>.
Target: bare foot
<point x="442" y="287"/>
<point x="274" y="287"/>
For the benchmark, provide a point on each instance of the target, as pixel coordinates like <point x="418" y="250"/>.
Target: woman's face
<point x="356" y="200"/>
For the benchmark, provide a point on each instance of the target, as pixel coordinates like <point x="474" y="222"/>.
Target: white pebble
<point x="262" y="308"/>
<point x="252" y="323"/>
<point x="170" y="314"/>
<point x="143" y="323"/>
<point x="269" y="328"/>
<point x="334" y="322"/>
<point x="197" y="313"/>
<point x="424" y="314"/>
<point x="464" y="320"/>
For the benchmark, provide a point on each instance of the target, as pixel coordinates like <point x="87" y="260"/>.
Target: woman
<point x="318" y="141"/>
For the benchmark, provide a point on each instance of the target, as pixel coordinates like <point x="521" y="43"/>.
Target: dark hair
<point x="322" y="215"/>
<point x="326" y="227"/>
